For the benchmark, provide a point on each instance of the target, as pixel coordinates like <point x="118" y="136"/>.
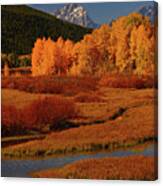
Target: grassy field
<point x="125" y="117"/>
<point x="123" y="168"/>
<point x="18" y="98"/>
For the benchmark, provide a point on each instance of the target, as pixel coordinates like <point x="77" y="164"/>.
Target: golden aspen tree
<point x="102" y="39"/>
<point x="37" y="57"/>
<point x="59" y="56"/>
<point x="119" y="44"/>
<point x="89" y="55"/>
<point x="122" y="48"/>
<point x="76" y="66"/>
<point x="142" y="49"/>
<point x="68" y="55"/>
<point x="48" y="64"/>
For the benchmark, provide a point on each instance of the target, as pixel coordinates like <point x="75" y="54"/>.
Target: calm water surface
<point x="22" y="168"/>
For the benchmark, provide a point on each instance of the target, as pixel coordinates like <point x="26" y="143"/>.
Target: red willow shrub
<point x="128" y="81"/>
<point x="51" y="84"/>
<point x="11" y="121"/>
<point x="49" y="111"/>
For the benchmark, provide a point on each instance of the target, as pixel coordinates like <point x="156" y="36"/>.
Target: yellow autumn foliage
<point x="126" y="46"/>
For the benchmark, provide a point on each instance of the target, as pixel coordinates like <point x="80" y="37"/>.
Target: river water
<point x="22" y="168"/>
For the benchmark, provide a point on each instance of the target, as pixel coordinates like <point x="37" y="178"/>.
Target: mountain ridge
<point x="150" y="11"/>
<point x="75" y="13"/>
<point x="21" y="25"/>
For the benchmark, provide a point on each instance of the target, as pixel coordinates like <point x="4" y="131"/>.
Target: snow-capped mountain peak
<point x="150" y="11"/>
<point x="75" y="13"/>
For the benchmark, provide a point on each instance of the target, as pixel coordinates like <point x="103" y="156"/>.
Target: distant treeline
<point x="22" y="25"/>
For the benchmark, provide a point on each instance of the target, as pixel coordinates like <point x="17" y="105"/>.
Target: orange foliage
<point x="37" y="56"/>
<point x="49" y="57"/>
<point x="48" y="111"/>
<point x="128" y="45"/>
<point x="51" y="84"/>
<point x="128" y="81"/>
<point x="11" y="121"/>
<point x="142" y="49"/>
<point x="137" y="127"/>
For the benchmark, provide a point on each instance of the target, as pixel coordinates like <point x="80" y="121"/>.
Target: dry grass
<point x="128" y="81"/>
<point x="90" y="111"/>
<point x="115" y="98"/>
<point x="19" y="99"/>
<point x="137" y="125"/>
<point x="124" y="168"/>
<point x="88" y="98"/>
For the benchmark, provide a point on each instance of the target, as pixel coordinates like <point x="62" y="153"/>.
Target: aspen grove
<point x="125" y="46"/>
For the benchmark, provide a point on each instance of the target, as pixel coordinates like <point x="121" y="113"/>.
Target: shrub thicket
<point x="51" y="84"/>
<point x="41" y="113"/>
